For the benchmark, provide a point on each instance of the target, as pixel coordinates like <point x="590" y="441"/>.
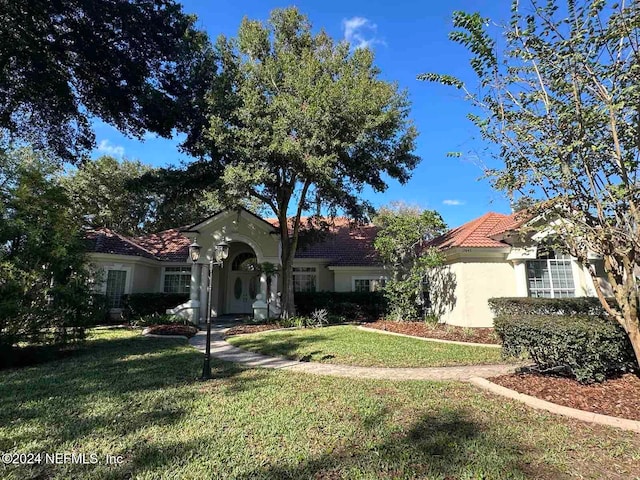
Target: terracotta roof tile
<point x="104" y="240"/>
<point x="345" y="244"/>
<point x="476" y="233"/>
<point x="169" y="245"/>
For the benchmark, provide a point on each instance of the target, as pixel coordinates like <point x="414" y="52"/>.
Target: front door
<point x="243" y="288"/>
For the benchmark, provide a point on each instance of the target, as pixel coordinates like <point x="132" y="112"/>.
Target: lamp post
<point x="221" y="253"/>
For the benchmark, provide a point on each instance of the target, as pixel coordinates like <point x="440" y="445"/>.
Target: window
<point x="304" y="279"/>
<point x="551" y="275"/>
<point x="367" y="284"/>
<point x="245" y="262"/>
<point x="116" y="282"/>
<point x="177" y="279"/>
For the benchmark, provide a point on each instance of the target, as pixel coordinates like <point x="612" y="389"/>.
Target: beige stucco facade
<point x="461" y="289"/>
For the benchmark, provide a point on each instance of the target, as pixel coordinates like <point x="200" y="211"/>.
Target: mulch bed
<point x="439" y="331"/>
<point x="186" y="330"/>
<point x="240" y="329"/>
<point x="619" y="397"/>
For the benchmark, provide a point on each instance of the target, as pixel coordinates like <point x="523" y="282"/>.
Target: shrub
<point x="351" y="305"/>
<point x="518" y="306"/>
<point x="158" y="319"/>
<point x="141" y="304"/>
<point x="589" y="348"/>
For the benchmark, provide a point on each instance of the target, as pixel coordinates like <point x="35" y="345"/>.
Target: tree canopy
<point x="303" y="124"/>
<point x="560" y="98"/>
<point x="401" y="242"/>
<point x="126" y="62"/>
<point x="44" y="281"/>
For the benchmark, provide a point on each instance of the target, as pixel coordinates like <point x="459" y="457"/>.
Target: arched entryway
<point x="243" y="280"/>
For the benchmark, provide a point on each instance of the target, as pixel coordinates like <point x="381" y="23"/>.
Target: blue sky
<point x="408" y="38"/>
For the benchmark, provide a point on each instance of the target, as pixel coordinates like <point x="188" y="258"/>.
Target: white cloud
<point x="106" y="147"/>
<point x="453" y="202"/>
<point x="360" y="32"/>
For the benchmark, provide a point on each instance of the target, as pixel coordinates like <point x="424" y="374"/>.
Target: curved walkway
<point x="225" y="351"/>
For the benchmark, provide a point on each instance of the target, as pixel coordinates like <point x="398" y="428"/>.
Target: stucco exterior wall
<point x="146" y="279"/>
<point x="482" y="281"/>
<point x="460" y="290"/>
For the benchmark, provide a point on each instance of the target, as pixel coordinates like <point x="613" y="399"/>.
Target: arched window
<point x="245" y="262"/>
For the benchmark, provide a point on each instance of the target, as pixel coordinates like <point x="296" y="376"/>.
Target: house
<point x="484" y="258"/>
<point x="343" y="260"/>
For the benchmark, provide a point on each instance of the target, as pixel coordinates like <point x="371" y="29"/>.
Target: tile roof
<point x="477" y="233"/>
<point x="104" y="240"/>
<point x="168" y="245"/>
<point x="345" y="244"/>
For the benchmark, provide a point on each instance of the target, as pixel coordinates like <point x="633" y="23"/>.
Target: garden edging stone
<point x="540" y="404"/>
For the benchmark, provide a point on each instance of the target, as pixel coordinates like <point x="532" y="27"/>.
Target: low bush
<point x="141" y="304"/>
<point x="588" y="348"/>
<point x="348" y="305"/>
<point x="518" y="306"/>
<point x="158" y="319"/>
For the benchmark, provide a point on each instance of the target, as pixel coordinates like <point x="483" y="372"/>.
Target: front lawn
<point x="137" y="397"/>
<point x="350" y="346"/>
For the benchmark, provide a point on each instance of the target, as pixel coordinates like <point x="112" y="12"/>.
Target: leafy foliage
<point x="589" y="348"/>
<point x="401" y="243"/>
<point x="45" y="294"/>
<point x="125" y="62"/>
<point x="99" y="193"/>
<point x="299" y="123"/>
<point x="138" y="305"/>
<point x="518" y="306"/>
<point x="158" y="319"/>
<point x="348" y="306"/>
<point x="559" y="97"/>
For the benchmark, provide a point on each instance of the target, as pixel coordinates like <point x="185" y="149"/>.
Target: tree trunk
<point x="620" y="272"/>
<point x="287" y="304"/>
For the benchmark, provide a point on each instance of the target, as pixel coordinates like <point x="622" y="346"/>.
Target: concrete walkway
<point x="225" y="351"/>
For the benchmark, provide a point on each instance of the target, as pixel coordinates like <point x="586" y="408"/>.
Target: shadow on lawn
<point x="446" y="444"/>
<point x="288" y="346"/>
<point x="117" y="373"/>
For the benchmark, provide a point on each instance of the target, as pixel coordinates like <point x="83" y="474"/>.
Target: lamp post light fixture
<point x="221" y="253"/>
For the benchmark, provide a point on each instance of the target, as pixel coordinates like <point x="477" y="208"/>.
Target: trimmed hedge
<point x="589" y="348"/>
<point x="518" y="306"/>
<point x="141" y="304"/>
<point x="349" y="305"/>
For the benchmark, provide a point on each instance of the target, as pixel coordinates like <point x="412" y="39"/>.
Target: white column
<point x="263" y="286"/>
<point x="194" y="288"/>
<point x="194" y="292"/>
<point x="204" y="279"/>
<point x="520" y="270"/>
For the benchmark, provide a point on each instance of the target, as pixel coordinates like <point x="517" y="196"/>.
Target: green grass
<point x="138" y="397"/>
<point x="350" y="346"/>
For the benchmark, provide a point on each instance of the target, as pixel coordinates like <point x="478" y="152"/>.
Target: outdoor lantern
<point x="222" y="251"/>
<point x="194" y="251"/>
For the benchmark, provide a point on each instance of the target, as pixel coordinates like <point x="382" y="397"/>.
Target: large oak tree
<point x="302" y="123"/>
<point x="63" y="61"/>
